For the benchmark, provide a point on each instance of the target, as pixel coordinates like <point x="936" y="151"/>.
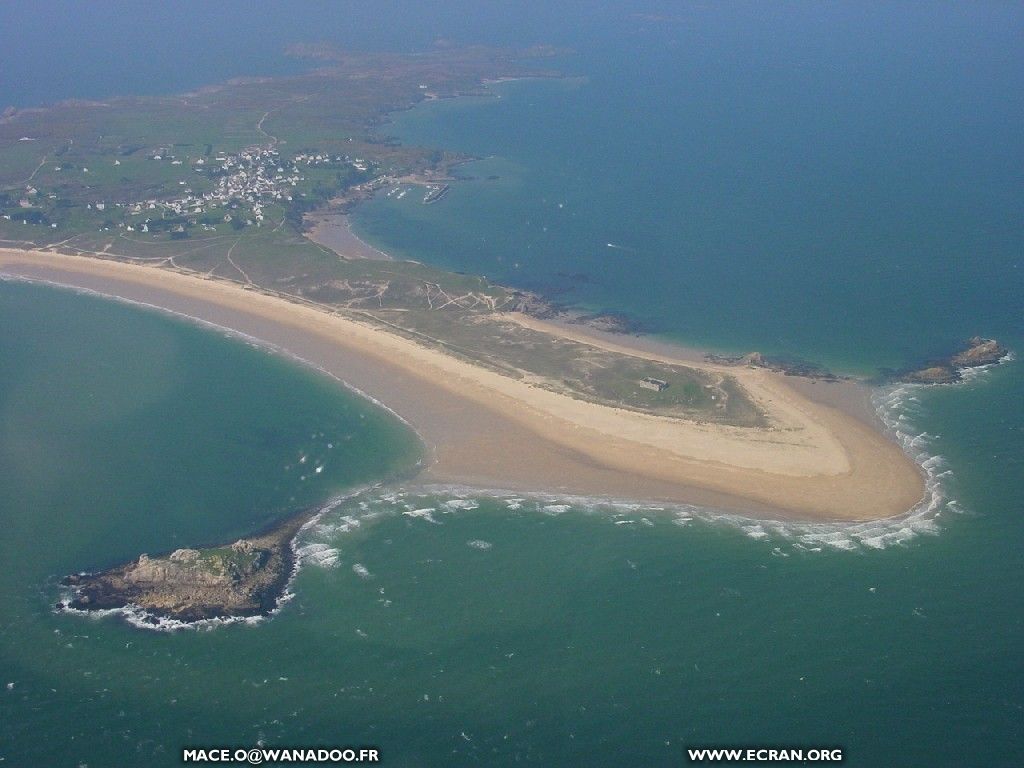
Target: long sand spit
<point x="821" y="458"/>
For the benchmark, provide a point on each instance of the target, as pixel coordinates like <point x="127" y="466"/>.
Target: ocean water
<point x="125" y="431"/>
<point x="840" y="184"/>
<point x="449" y="626"/>
<point x="736" y="181"/>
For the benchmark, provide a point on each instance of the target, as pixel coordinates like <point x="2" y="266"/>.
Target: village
<point x="229" y="188"/>
<point x="244" y="185"/>
<point x="235" y="189"/>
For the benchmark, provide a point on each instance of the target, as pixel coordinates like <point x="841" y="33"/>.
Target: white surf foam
<point x="318" y="554"/>
<point x="899" y="408"/>
<point x="972" y="375"/>
<point x="426" y="513"/>
<point x="463" y="504"/>
<point x="140" y="618"/>
<point x="361" y="571"/>
<point x="556" y="509"/>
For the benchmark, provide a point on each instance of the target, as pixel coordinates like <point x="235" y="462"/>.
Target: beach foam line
<point x="980" y="372"/>
<point x="899" y="408"/>
<point x="317" y="541"/>
<point x="806" y="536"/>
<point x="140" y="618"/>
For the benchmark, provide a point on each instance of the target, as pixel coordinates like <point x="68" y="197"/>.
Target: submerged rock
<point x="935" y="374"/>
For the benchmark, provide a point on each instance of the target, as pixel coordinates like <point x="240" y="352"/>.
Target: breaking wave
<point x="321" y="542"/>
<point x="901" y="410"/>
<point x="142" y="619"/>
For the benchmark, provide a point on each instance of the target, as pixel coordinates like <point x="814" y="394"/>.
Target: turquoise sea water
<point x="451" y="627"/>
<point x="841" y="185"/>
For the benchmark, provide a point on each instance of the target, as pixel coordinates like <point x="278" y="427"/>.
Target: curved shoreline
<point x="333" y="230"/>
<point x="487" y="430"/>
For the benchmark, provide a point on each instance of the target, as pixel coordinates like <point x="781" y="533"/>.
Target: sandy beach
<point x="333" y="230"/>
<point x="822" y="457"/>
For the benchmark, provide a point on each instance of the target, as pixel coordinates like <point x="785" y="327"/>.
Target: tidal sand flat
<point x="483" y="429"/>
<point x="334" y="230"/>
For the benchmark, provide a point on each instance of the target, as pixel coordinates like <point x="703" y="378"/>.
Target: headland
<point x="228" y="206"/>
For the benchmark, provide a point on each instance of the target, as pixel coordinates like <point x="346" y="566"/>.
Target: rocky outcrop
<point x="975" y="352"/>
<point x="979" y="351"/>
<point x="534" y="305"/>
<point x="934" y="374"/>
<point x="785" y="366"/>
<point x="245" y="578"/>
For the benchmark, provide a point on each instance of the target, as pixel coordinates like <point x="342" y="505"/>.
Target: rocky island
<point x="975" y="353"/>
<point x="245" y="578"/>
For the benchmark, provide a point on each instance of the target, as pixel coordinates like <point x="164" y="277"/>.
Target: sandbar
<point x="816" y="460"/>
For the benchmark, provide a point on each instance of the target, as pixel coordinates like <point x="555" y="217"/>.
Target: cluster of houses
<point x="244" y="184"/>
<point x="251" y="179"/>
<point x="324" y="159"/>
<point x="27" y="204"/>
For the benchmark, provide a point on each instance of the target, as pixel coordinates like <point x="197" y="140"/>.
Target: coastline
<point x="483" y="429"/>
<point x="333" y="230"/>
<point x="846" y="395"/>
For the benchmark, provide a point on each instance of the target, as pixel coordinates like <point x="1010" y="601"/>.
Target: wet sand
<point x="334" y="231"/>
<point x="818" y="461"/>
